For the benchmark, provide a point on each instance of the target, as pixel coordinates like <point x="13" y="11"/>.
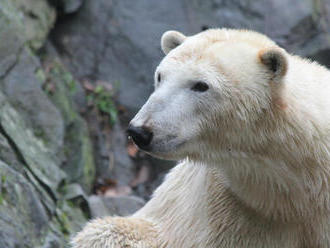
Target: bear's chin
<point x="166" y="156"/>
<point x="167" y="151"/>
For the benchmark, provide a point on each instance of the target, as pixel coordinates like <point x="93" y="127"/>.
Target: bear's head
<point x="215" y="93"/>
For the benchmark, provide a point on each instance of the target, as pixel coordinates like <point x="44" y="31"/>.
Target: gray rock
<point x="105" y="40"/>
<point x="31" y="150"/>
<point x="123" y="205"/>
<point x="37" y="207"/>
<point x="97" y="207"/>
<point x="11" y="44"/>
<point x="34" y="18"/>
<point x="19" y="67"/>
<point x="77" y="152"/>
<point x="67" y="6"/>
<point x="111" y="159"/>
<point x="7" y="155"/>
<point x="23" y="219"/>
<point x="122" y="167"/>
<point x="101" y="206"/>
<point x="34" y="187"/>
<point x="74" y="191"/>
<point x="23" y="88"/>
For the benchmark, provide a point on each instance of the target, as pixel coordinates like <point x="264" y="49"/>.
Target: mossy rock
<point x="24" y="221"/>
<point x="30" y="148"/>
<point x="77" y="149"/>
<point x="32" y="19"/>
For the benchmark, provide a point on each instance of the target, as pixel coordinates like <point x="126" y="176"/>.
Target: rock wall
<point x="46" y="159"/>
<point x="50" y="51"/>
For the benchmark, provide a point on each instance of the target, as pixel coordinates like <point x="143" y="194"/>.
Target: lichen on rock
<point x="35" y="137"/>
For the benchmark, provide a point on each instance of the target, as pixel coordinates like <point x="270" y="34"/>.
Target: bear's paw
<point x="116" y="232"/>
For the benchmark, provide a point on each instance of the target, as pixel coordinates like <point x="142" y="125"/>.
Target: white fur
<point x="255" y="146"/>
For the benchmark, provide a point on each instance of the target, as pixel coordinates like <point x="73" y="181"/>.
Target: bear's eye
<point x="200" y="87"/>
<point x="159" y="77"/>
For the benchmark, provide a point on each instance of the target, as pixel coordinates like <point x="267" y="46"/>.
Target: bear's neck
<point x="282" y="170"/>
<point x="278" y="189"/>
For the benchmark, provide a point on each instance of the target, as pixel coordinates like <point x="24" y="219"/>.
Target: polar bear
<point x="251" y="126"/>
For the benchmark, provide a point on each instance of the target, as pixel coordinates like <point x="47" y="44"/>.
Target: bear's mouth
<point x="163" y="147"/>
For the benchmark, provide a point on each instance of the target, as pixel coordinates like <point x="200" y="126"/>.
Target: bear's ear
<point x="170" y="40"/>
<point x="275" y="61"/>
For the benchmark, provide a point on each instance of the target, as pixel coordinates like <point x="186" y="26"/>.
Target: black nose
<point x="141" y="136"/>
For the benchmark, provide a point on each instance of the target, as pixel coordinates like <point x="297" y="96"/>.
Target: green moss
<point x="77" y="147"/>
<point x="2" y="198"/>
<point x="70" y="82"/>
<point x="79" y="153"/>
<point x="103" y="100"/>
<point x="3" y="179"/>
<point x="64" y="103"/>
<point x="39" y="133"/>
<point x="69" y="217"/>
<point x="64" y="87"/>
<point x="63" y="219"/>
<point x="3" y="190"/>
<point x="40" y="75"/>
<point x="88" y="159"/>
<point x="59" y="72"/>
<point x="65" y="224"/>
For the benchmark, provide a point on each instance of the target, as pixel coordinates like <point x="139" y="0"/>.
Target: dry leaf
<point x="88" y="85"/>
<point x="106" y="85"/>
<point x="132" y="150"/>
<point x="118" y="191"/>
